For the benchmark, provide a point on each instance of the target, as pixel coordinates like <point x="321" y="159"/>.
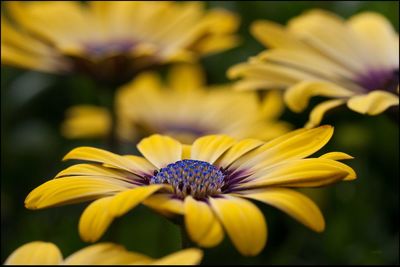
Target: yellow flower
<point x="208" y="183"/>
<point x="45" y="253"/>
<point x="106" y="39"/>
<point x="356" y="62"/>
<point x="185" y="109"/>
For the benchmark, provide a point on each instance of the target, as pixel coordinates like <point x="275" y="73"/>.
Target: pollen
<point x="191" y="177"/>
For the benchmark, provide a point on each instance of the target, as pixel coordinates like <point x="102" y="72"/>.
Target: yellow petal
<point x="319" y="110"/>
<point x="237" y="150"/>
<point x="160" y="150"/>
<point x="309" y="61"/>
<point x="15" y="57"/>
<point x="243" y="222"/>
<point x="185" y="77"/>
<point x="373" y="103"/>
<point x="125" y="201"/>
<point x="294" y="145"/>
<point x="273" y="35"/>
<point x="341" y="156"/>
<point x="256" y="83"/>
<point x="106" y="157"/>
<point x="95" y="219"/>
<point x="86" y="121"/>
<point x="200" y="221"/>
<point x="298" y="96"/>
<point x="73" y="189"/>
<point x="165" y="204"/>
<point x="98" y="216"/>
<point x="291" y="202"/>
<point x="327" y="33"/>
<point x="145" y="165"/>
<point x="308" y="172"/>
<point x="190" y="256"/>
<point x="186" y="151"/>
<point x="272" y="105"/>
<point x="35" y="253"/>
<point x="336" y="156"/>
<point x="277" y="74"/>
<point x="95" y="170"/>
<point x="379" y="35"/>
<point x="210" y="148"/>
<point x="216" y="43"/>
<point x="105" y="254"/>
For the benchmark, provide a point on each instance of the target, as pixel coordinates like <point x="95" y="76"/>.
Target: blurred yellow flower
<point x="45" y="253"/>
<point x="208" y="183"/>
<point x="109" y="39"/>
<point x="185" y="109"/>
<point x="356" y="62"/>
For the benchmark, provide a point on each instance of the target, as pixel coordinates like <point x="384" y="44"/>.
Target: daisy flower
<point x="184" y="108"/>
<point x="111" y="40"/>
<point x="355" y="62"/>
<point x="46" y="253"/>
<point x="208" y="184"/>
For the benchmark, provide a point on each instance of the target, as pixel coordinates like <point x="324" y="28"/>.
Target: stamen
<point x="191" y="177"/>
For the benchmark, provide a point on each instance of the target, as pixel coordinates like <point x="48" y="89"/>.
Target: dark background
<point x="362" y="216"/>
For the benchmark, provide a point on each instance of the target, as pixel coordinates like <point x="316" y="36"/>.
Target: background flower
<point x="320" y="54"/>
<point x="184" y="108"/>
<point x="111" y="40"/>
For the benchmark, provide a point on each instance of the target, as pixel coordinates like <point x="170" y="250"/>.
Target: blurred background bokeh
<point x="362" y="216"/>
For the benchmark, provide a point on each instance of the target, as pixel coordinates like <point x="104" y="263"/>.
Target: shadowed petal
<point x="201" y="223"/>
<point x="243" y="222"/>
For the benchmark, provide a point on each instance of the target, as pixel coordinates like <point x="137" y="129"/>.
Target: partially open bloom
<point x="185" y="108"/>
<point x="109" y="39"/>
<point x="45" y="253"/>
<point x="356" y="62"/>
<point x="208" y="183"/>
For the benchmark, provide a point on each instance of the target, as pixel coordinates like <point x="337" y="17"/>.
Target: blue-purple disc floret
<point x="191" y="177"/>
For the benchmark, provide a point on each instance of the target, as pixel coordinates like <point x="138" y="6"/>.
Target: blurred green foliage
<point x="362" y="216"/>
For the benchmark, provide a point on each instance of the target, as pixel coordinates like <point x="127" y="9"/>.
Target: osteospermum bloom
<point x="46" y="253"/>
<point x="356" y="62"/>
<point x="184" y="108"/>
<point x="109" y="39"/>
<point x="209" y="183"/>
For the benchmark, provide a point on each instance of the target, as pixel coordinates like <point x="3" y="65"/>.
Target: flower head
<point x="111" y="39"/>
<point x="183" y="108"/>
<point x="45" y="253"/>
<point x="319" y="54"/>
<point x="209" y="183"/>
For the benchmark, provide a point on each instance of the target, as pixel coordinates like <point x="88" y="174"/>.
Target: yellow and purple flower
<point x="356" y="62"/>
<point x="208" y="184"/>
<point x="111" y="40"/>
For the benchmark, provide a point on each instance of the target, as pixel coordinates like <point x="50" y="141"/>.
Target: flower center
<point x="100" y="48"/>
<point x="380" y="80"/>
<point x="191" y="177"/>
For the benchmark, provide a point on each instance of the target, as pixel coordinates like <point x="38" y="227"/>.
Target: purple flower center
<point x="387" y="80"/>
<point x="101" y="48"/>
<point x="191" y="177"/>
